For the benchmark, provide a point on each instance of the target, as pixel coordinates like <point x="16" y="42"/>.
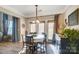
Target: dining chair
<point x="41" y="46"/>
<point x="29" y="44"/>
<point x="45" y="42"/>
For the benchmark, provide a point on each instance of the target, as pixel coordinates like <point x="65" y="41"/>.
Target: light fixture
<point x="36" y="20"/>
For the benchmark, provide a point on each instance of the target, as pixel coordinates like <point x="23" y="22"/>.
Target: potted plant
<point x="73" y="36"/>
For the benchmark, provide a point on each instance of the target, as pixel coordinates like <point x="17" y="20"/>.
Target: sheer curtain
<point x="41" y="27"/>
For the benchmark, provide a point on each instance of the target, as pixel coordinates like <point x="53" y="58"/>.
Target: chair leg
<point x="46" y="48"/>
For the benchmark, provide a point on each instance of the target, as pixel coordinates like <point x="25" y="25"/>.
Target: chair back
<point x="29" y="39"/>
<point x="45" y="37"/>
<point x="53" y="39"/>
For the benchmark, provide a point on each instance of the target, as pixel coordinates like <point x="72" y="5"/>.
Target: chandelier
<point x="36" y="19"/>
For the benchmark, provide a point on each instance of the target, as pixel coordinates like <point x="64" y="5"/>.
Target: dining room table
<point x="36" y="39"/>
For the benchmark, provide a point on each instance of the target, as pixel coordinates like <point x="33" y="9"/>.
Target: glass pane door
<point x="41" y="27"/>
<point x="33" y="27"/>
<point x="50" y="30"/>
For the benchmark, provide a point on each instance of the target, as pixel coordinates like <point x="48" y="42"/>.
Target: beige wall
<point x="22" y="29"/>
<point x="61" y="23"/>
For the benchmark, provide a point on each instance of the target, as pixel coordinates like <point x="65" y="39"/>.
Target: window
<point x="50" y="30"/>
<point x="33" y="27"/>
<point x="10" y="26"/>
<point x="41" y="27"/>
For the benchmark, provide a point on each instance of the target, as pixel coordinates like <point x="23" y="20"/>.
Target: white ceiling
<point x="29" y="10"/>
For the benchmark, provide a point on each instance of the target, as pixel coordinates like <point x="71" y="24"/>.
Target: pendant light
<point x="37" y="21"/>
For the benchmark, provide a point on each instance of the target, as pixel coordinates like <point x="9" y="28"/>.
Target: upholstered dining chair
<point x="41" y="46"/>
<point x="29" y="44"/>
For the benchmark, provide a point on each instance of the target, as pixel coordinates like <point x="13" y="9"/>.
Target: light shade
<point x="33" y="21"/>
<point x="37" y="21"/>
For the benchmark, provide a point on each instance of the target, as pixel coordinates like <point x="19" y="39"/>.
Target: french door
<point x="41" y="27"/>
<point x="50" y="30"/>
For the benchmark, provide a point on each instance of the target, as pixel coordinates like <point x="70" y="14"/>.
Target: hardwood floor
<point x="51" y="49"/>
<point x="10" y="47"/>
<point x="16" y="48"/>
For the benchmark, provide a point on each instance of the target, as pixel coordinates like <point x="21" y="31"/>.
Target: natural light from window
<point x="41" y="28"/>
<point x="33" y="27"/>
<point x="10" y="27"/>
<point x="50" y="30"/>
